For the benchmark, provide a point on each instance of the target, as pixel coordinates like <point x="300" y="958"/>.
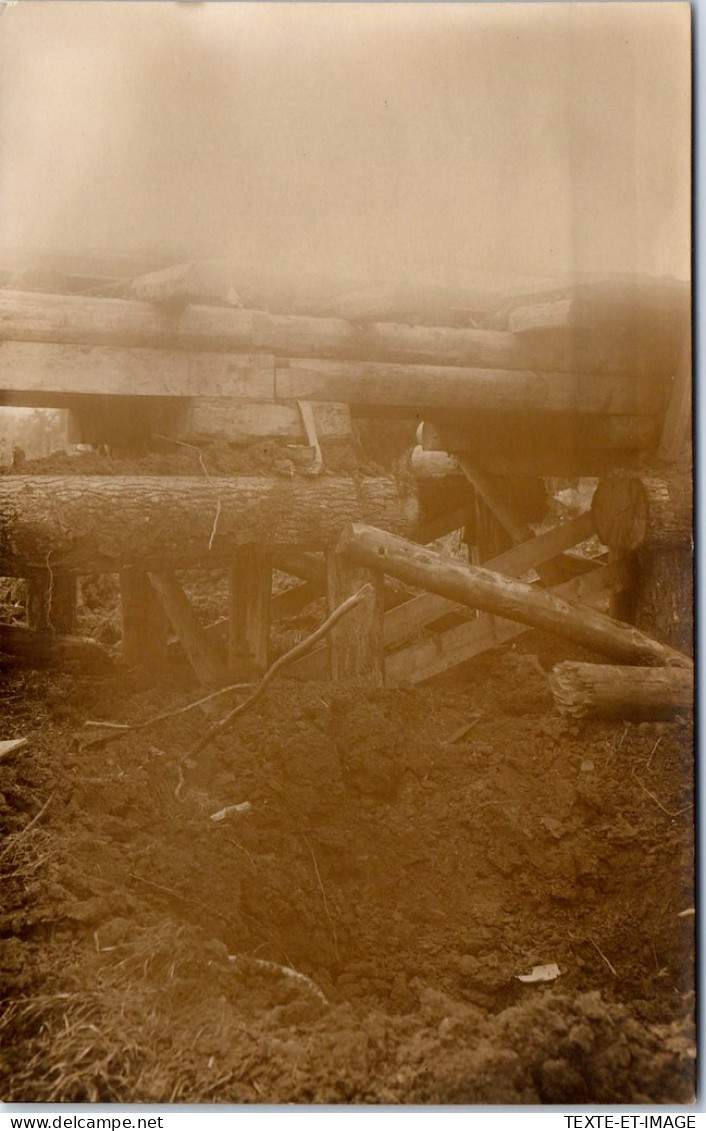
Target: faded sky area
<point x="426" y="142"/>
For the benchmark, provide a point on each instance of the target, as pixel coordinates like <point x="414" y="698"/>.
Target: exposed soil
<point x="147" y="947"/>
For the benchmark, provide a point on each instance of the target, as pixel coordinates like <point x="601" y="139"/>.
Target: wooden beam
<point x="601" y="691"/>
<point x="33" y="368"/>
<point x="250" y="588"/>
<point x="103" y="523"/>
<point x="208" y="665"/>
<point x="356" y="642"/>
<point x="144" y="623"/>
<point x="484" y="589"/>
<point x="426" y="386"/>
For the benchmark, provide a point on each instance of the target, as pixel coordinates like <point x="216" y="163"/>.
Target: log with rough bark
<point x="607" y="692"/>
<point x="515" y="600"/>
<point x="632" y="510"/>
<point x="103" y="523"/>
<point x="44" y="649"/>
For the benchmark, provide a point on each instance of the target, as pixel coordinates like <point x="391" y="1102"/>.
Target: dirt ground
<point x="354" y="932"/>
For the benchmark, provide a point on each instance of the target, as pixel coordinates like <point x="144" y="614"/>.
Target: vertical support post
<point x="356" y="642"/>
<point x="250" y="588"/>
<point x="51" y="602"/>
<point x="144" y="622"/>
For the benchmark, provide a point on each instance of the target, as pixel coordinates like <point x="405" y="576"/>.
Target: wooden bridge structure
<point x="592" y="380"/>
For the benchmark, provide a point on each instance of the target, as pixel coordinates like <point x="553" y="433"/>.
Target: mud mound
<point x="335" y="902"/>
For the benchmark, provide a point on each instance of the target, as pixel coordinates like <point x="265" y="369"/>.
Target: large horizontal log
<point x="481" y="588"/>
<point x="103" y="523"/>
<point x="602" y="691"/>
<point x="73" y="320"/>
<point x="632" y="510"/>
<point x="452" y="387"/>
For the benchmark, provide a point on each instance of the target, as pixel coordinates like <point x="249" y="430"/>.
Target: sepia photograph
<point x="346" y="554"/>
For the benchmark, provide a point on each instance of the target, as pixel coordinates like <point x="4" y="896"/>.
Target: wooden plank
<point x="30" y="367"/>
<point x="203" y="656"/>
<point x="453" y="387"/>
<point x="432" y="656"/>
<point x="144" y="623"/>
<point x="355" y="644"/>
<point x="406" y="619"/>
<point x="250" y="589"/>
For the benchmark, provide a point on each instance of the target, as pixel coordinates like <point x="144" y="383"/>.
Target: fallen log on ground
<point x="480" y="588"/>
<point x="607" y="692"/>
<point x="44" y="649"/>
<point x="633" y="510"/>
<point x="90" y="524"/>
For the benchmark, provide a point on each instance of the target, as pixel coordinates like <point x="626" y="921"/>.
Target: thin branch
<point x="288" y="658"/>
<point x="122" y="727"/>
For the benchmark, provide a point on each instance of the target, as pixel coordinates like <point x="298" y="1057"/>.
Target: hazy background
<point x="430" y="142"/>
